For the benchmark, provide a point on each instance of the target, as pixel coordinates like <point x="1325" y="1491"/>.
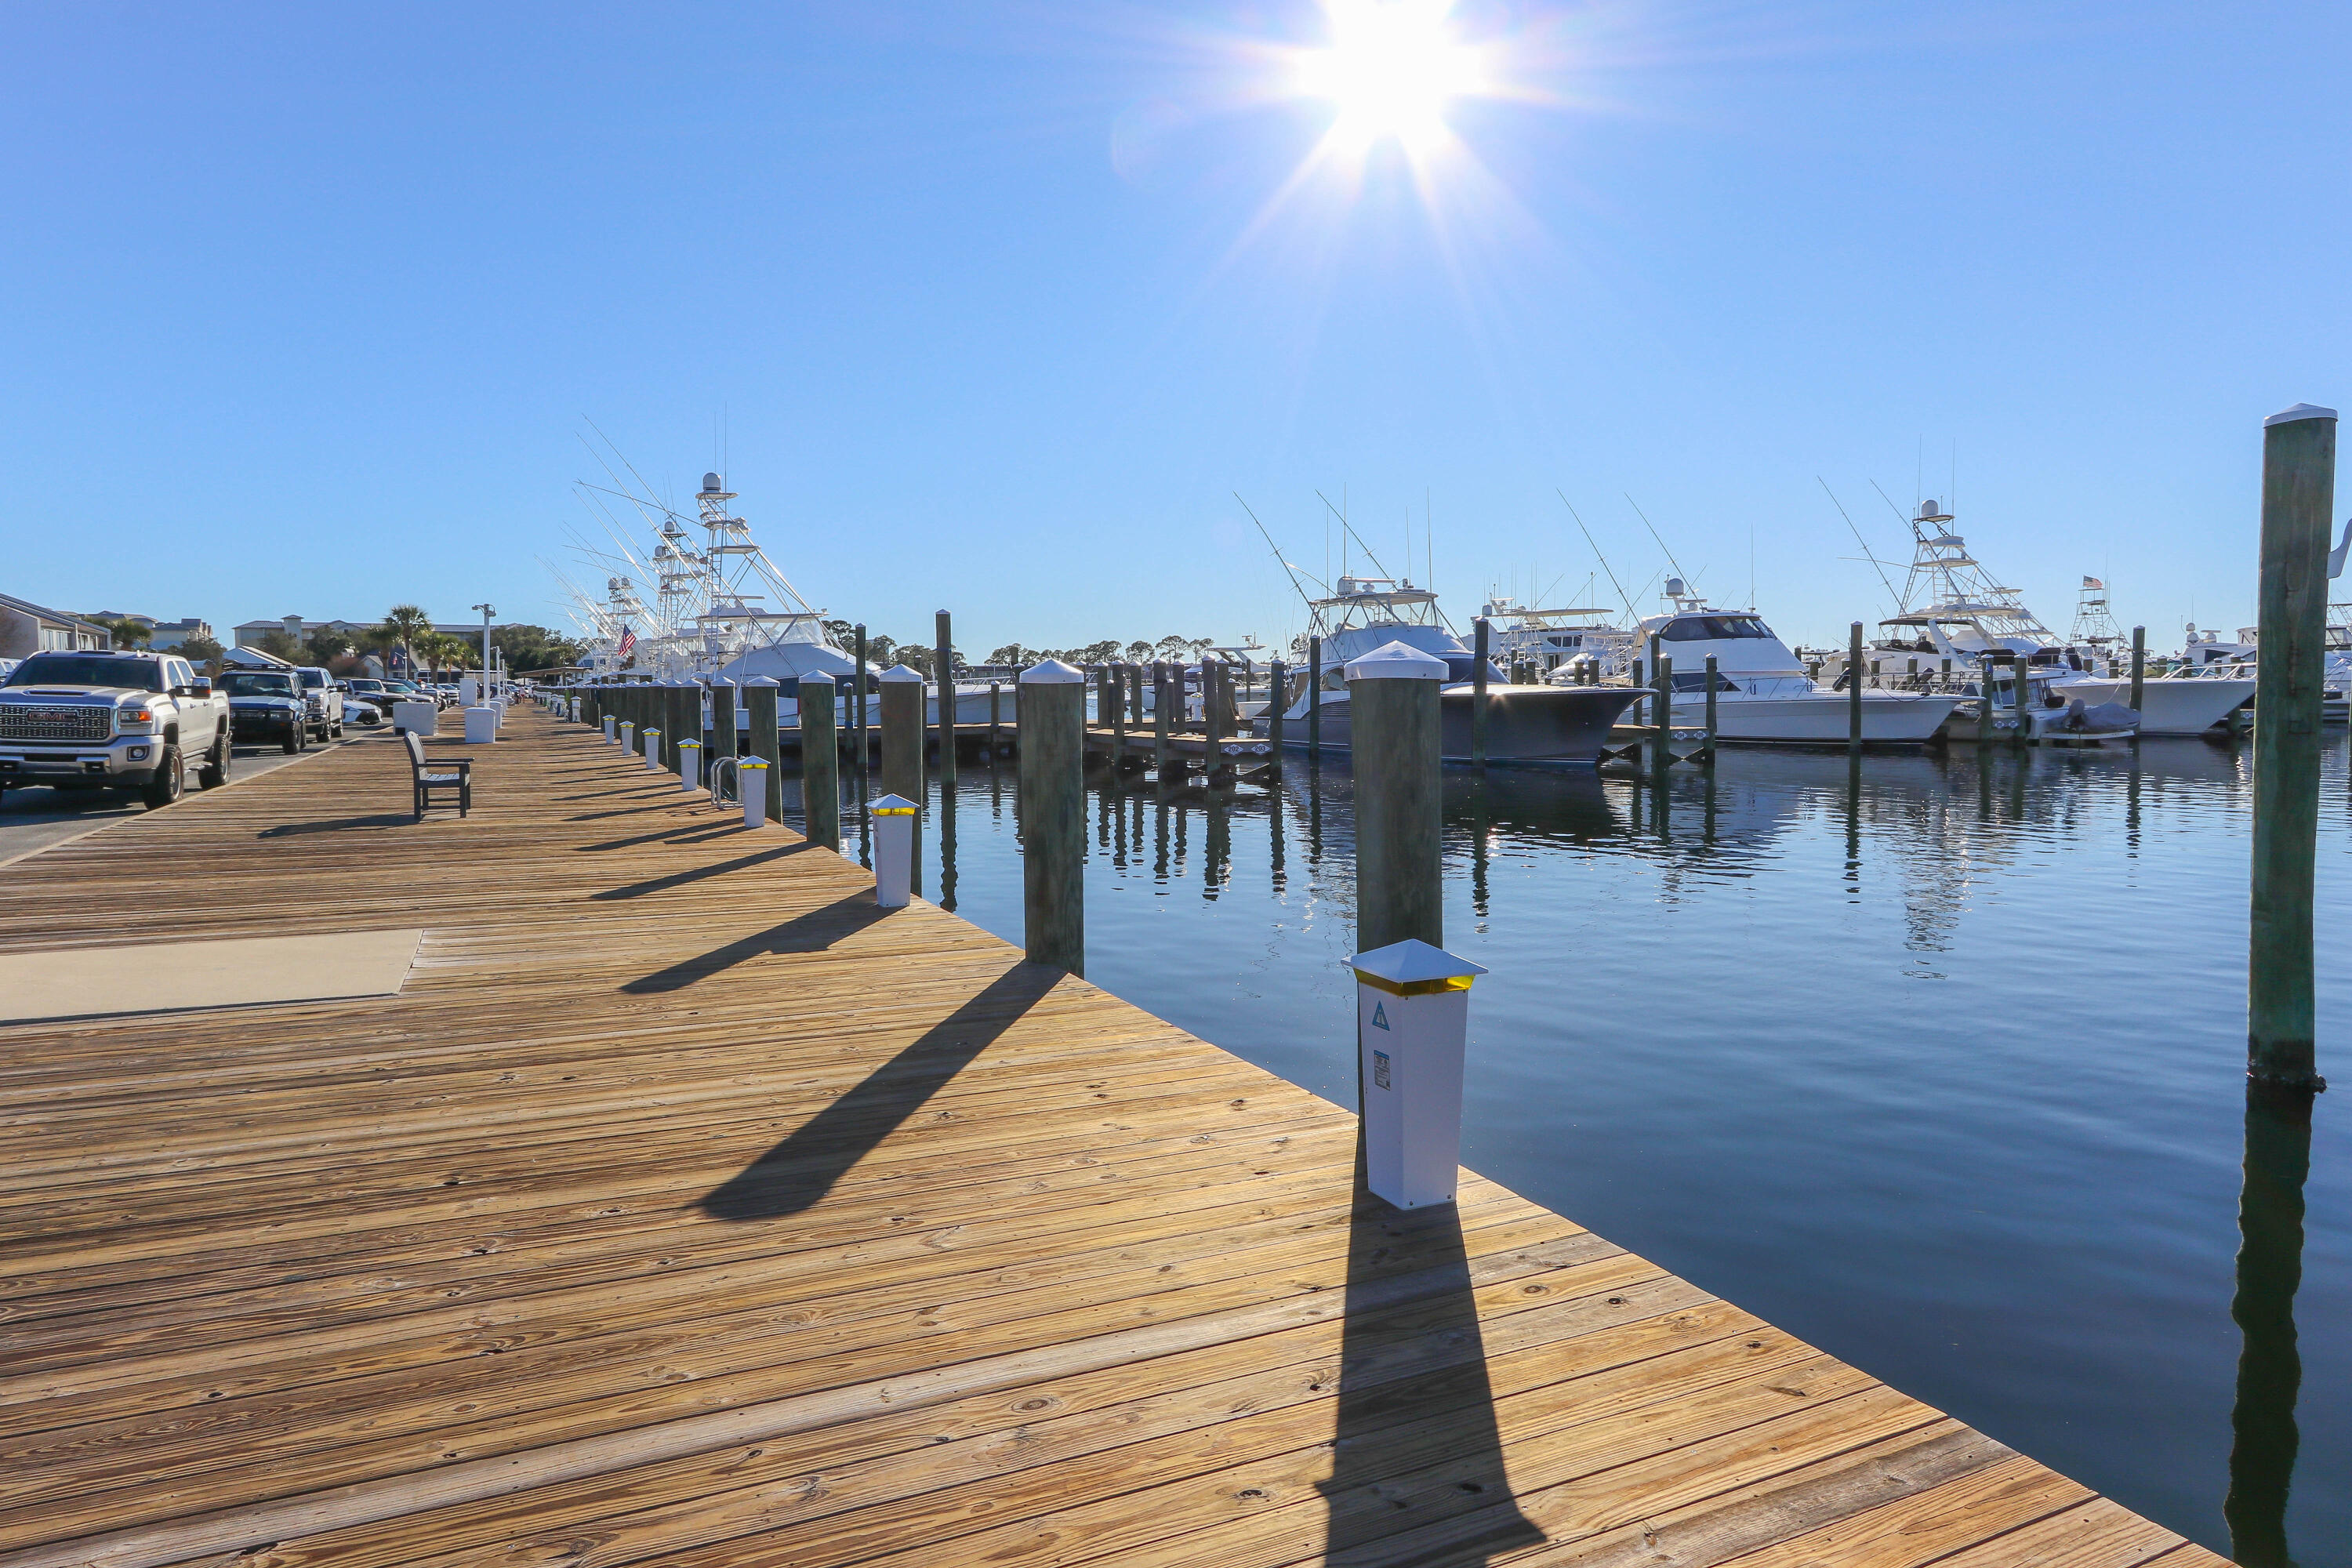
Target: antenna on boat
<point x="1884" y="581"/>
<point x="1596" y="552"/>
<point x="1288" y="569"/>
<point x="1350" y="529"/>
<point x="1653" y="533"/>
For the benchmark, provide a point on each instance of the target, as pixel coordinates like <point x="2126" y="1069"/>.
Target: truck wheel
<point x="170" y="779"/>
<point x="297" y="738"/>
<point x="215" y="772"/>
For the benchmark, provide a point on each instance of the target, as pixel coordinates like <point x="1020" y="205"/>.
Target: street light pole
<point x="487" y="612"/>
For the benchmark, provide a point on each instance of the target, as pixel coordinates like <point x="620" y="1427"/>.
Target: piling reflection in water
<point x="2262" y="1429"/>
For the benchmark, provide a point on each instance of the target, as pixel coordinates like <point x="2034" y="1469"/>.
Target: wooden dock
<point x="681" y="1207"/>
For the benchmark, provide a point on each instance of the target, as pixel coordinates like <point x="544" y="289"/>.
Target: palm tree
<point x="408" y="625"/>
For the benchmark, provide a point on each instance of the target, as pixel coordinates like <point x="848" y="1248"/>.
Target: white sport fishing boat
<point x="724" y="612"/>
<point x="1762" y="693"/>
<point x="1525" y="724"/>
<point x="1952" y="609"/>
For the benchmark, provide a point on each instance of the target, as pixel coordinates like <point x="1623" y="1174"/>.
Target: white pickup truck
<point x="112" y="721"/>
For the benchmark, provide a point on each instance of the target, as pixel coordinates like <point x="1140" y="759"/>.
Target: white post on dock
<point x="1413" y="1018"/>
<point x="893" y="850"/>
<point x="689" y="764"/>
<point x="754" y="791"/>
<point x="651" y="738"/>
<point x="612" y="728"/>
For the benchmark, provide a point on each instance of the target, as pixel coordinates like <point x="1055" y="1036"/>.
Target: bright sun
<point x="1391" y="68"/>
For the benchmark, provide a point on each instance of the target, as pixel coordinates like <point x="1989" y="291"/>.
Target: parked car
<point x="323" y="700"/>
<point x="268" y="705"/>
<point x="128" y="720"/>
<point x="366" y="715"/>
<point x="367" y="688"/>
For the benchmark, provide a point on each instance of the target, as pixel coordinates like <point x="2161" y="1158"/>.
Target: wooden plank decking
<point x="682" y="1208"/>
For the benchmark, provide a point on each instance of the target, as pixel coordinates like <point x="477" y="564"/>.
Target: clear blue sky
<point x="302" y="309"/>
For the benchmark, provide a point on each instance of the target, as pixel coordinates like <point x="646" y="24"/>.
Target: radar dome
<point x="1674" y="588"/>
<point x="711" y="482"/>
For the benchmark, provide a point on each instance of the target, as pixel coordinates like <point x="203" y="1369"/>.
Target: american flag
<point x="628" y="641"/>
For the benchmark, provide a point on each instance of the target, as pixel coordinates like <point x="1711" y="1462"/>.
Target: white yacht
<point x="1952" y="609"/>
<point x="1763" y="692"/>
<point x="1525" y="724"/>
<point x="1549" y="638"/>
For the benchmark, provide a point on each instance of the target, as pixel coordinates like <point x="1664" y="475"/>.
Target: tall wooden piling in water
<point x="1480" y="635"/>
<point x="820" y="761"/>
<point x="1162" y="720"/>
<point x="1118" y="687"/>
<point x="1662" y="701"/>
<point x="2298" y="497"/>
<point x="2139" y="672"/>
<point x="1712" y="680"/>
<point x="1853" y="687"/>
<point x="943" y="673"/>
<point x="1314" y="699"/>
<point x="902" y="732"/>
<point x="760" y="693"/>
<point x="996" y="740"/>
<point x="1212" y="719"/>
<point x="860" y="746"/>
<point x="1392" y="701"/>
<point x="1054" y="815"/>
<point x="1276" y="678"/>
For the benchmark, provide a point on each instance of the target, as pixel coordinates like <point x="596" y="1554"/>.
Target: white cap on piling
<point x="763" y="680"/>
<point x="1413" y="963"/>
<point x="1395" y="661"/>
<point x="817" y="678"/>
<point x="1053" y="672"/>
<point x="900" y="673"/>
<point x="893" y="805"/>
<point x="2300" y="411"/>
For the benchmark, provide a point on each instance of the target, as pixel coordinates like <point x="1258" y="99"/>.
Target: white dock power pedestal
<point x="1413" y="1015"/>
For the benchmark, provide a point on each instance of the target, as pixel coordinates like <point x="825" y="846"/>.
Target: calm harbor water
<point x="1935" y="1062"/>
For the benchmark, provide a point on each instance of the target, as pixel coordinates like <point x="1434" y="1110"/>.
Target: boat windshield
<point x="1713" y="628"/>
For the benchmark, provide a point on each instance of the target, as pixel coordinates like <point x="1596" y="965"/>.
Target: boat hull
<point x="2166" y="707"/>
<point x="1819" y="719"/>
<point x="1526" y="725"/>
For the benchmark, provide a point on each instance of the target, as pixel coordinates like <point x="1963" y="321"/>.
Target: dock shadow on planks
<point x="797" y="1174"/>
<point x="1421" y="1456"/>
<point x="811" y="933"/>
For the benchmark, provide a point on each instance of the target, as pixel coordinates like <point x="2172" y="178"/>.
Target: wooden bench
<point x="462" y="781"/>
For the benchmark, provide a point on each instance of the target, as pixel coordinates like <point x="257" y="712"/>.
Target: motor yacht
<point x="1953" y="611"/>
<point x="1525" y="724"/>
<point x="1763" y="692"/>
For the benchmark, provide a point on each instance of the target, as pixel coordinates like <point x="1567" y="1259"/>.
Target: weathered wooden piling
<point x="820" y="761"/>
<point x="1479" y="634"/>
<point x="1392" y="699"/>
<point x="861" y="748"/>
<point x="943" y="673"/>
<point x="1276" y="677"/>
<point x="723" y="740"/>
<point x="1314" y="699"/>
<point x="1115" y="674"/>
<point x="2139" y="673"/>
<point x="1712" y="679"/>
<point x="1984" y="706"/>
<point x="1162" y="720"/>
<point x="1054" y="815"/>
<point x="760" y="695"/>
<point x="1213" y="703"/>
<point x="995" y="728"/>
<point x="2298" y="498"/>
<point x="1853" y="687"/>
<point x="1662" y="700"/>
<point x="902" y="732"/>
